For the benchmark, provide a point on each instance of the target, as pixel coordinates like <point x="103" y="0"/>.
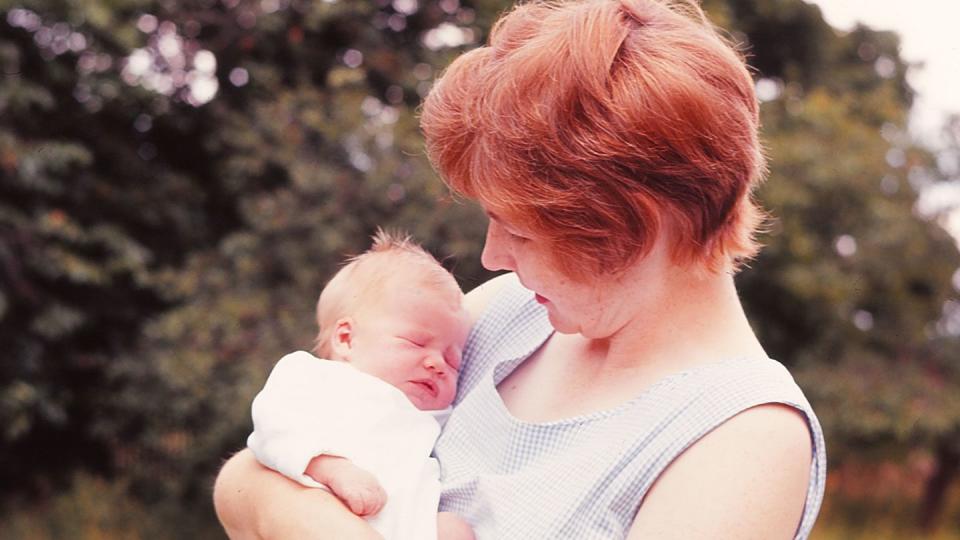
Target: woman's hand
<point x="254" y="502"/>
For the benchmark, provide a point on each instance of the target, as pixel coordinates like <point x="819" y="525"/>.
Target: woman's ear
<point x="341" y="339"/>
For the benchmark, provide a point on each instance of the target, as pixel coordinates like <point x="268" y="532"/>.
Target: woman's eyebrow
<point x="512" y="229"/>
<point x="494" y="217"/>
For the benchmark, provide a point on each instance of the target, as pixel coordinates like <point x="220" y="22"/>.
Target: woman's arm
<point x="254" y="502"/>
<point x="747" y="479"/>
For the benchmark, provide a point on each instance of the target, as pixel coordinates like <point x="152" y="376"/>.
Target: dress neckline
<point x="502" y="369"/>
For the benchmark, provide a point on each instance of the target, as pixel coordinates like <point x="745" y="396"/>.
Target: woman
<point x="612" y="386"/>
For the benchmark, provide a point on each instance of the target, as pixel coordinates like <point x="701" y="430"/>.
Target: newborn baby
<point x="360" y="418"/>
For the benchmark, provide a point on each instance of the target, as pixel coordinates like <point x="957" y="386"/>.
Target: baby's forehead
<point x="416" y="302"/>
<point x="428" y="310"/>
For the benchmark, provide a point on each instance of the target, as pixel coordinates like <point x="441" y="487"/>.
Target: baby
<point x="367" y="412"/>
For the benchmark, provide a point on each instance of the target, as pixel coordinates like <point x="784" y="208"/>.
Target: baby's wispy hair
<point x="366" y="277"/>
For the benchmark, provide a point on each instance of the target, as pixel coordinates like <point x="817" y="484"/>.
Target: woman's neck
<point x="692" y="319"/>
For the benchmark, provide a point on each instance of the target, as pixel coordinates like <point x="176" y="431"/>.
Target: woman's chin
<point x="561" y="325"/>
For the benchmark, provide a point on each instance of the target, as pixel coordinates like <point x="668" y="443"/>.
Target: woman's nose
<point x="495" y="255"/>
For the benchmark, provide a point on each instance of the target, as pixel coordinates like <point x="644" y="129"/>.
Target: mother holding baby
<point x="611" y="386"/>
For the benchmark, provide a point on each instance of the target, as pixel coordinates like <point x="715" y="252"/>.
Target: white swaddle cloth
<point x="310" y="406"/>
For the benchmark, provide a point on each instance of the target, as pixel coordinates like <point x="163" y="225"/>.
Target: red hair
<point x="587" y="123"/>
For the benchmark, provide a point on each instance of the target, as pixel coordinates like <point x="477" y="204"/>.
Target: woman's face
<point x="597" y="306"/>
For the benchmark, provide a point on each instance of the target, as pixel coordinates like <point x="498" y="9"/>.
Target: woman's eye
<point x="518" y="237"/>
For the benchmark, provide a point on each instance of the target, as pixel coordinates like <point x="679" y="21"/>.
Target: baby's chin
<point x="429" y="404"/>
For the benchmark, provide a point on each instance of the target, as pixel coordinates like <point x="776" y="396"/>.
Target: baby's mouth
<point x="428" y="385"/>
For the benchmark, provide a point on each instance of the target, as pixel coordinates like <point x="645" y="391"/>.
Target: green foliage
<point x="853" y="282"/>
<point x="93" y="509"/>
<point x="174" y="248"/>
<point x="92" y="210"/>
<point x="856" y="284"/>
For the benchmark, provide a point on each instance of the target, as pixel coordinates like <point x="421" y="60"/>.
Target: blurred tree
<point x="97" y="194"/>
<point x="852" y="287"/>
<point x="179" y="178"/>
<point x="210" y="160"/>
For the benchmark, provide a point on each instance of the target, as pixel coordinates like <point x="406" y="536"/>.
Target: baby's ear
<point x="341" y="339"/>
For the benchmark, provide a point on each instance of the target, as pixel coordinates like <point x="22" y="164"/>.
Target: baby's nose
<point x="436" y="363"/>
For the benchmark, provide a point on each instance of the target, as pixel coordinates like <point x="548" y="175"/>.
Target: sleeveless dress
<point x="585" y="477"/>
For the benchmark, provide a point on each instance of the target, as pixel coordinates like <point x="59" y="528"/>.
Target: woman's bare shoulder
<point x="746" y="479"/>
<point x="476" y="300"/>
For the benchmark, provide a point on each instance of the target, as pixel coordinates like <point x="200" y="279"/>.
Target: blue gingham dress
<point x="585" y="477"/>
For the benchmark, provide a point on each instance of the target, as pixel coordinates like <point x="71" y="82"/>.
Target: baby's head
<point x="395" y="313"/>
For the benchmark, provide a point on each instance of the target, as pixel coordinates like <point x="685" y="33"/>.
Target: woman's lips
<point x="537" y="297"/>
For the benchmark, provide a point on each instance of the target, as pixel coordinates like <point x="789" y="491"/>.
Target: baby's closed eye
<point x="417" y="339"/>
<point x="414" y="342"/>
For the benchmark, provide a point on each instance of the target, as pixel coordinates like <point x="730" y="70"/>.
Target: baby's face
<point x="412" y="339"/>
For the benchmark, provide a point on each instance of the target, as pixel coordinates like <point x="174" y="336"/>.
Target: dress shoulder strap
<point x="512" y="326"/>
<point x="709" y="397"/>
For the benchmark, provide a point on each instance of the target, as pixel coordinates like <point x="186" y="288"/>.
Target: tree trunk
<point x="938" y="485"/>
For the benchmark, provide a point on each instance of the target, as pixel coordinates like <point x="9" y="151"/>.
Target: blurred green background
<point x="179" y="178"/>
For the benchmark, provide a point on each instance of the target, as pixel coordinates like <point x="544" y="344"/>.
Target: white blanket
<point x="311" y="406"/>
